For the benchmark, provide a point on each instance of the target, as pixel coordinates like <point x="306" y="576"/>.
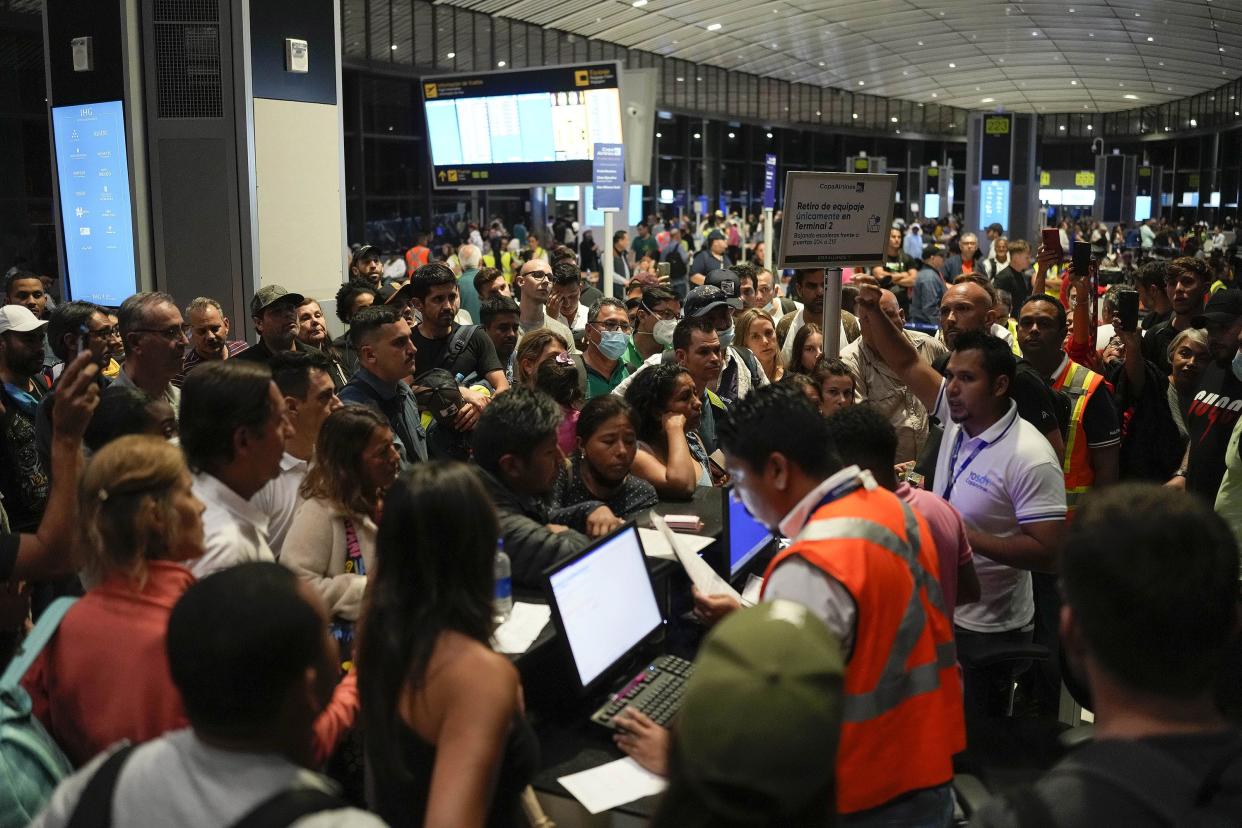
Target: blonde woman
<point x="331" y="543"/>
<point x="756" y="331"/>
<point x="104" y="676"/>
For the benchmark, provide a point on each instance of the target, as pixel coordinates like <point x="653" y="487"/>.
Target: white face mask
<point x="662" y="333"/>
<point x="1237" y="365"/>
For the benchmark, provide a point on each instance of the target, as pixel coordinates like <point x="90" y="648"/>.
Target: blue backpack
<point x="31" y="764"/>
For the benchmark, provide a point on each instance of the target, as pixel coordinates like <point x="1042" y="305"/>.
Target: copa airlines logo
<point x="979" y="481"/>
<point x="1217" y="408"/>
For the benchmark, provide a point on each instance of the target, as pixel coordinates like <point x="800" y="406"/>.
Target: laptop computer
<point x="744" y="540"/>
<point x="604" y="607"/>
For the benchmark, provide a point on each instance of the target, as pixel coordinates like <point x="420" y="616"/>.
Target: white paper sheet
<point x="612" y="785"/>
<point x="523" y="627"/>
<point x="655" y="545"/>
<point x="752" y="590"/>
<point x="700" y="571"/>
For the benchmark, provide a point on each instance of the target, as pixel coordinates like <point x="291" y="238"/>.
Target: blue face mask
<point x="726" y="337"/>
<point x="612" y="344"/>
<point x="1237" y="365"/>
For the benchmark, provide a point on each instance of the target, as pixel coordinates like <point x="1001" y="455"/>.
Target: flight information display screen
<point x="92" y="171"/>
<point x="521" y="128"/>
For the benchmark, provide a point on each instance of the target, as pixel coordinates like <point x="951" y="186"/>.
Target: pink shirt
<point x="949" y="532"/>
<point x="567" y="433"/>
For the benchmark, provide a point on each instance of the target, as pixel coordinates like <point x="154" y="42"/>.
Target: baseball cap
<point x="364" y="252"/>
<point x="389" y="292"/>
<point x="438" y="394"/>
<point x="19" y="319"/>
<point x="715" y="235"/>
<point x="270" y="295"/>
<point x="760" y="719"/>
<point x="1222" y="308"/>
<point x="704" y="299"/>
<point x="729" y="285"/>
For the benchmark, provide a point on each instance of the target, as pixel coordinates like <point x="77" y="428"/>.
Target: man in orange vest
<point x="418" y="255"/>
<point x="1092" y="456"/>
<point x="866" y="564"/>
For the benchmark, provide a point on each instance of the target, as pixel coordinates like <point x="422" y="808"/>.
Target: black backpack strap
<point x="287" y="807"/>
<point x="94" y="808"/>
<point x="457" y="343"/>
<point x="1149" y="776"/>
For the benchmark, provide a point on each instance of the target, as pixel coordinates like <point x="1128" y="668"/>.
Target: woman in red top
<point x="104" y="677"/>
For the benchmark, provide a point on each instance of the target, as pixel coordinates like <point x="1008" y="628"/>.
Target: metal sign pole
<point x="605" y="282"/>
<point x="832" y="312"/>
<point x="767" y="241"/>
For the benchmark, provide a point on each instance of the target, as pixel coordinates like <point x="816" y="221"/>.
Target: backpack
<point x="31" y="763"/>
<point x="677" y="268"/>
<point x="94" y="808"/>
<point x="1165" y="788"/>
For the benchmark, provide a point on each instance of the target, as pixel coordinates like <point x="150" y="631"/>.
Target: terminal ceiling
<point x="1068" y="56"/>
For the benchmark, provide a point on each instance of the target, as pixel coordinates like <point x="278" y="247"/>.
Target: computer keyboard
<point x="656" y="691"/>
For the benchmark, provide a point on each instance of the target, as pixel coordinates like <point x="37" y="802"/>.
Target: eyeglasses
<point x="175" y="332"/>
<point x="667" y="315"/>
<point x="612" y="326"/>
<point x="104" y="333"/>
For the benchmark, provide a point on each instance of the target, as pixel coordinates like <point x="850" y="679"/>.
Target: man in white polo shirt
<point x="996" y="469"/>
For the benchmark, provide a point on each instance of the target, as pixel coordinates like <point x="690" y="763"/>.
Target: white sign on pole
<point x="836" y="219"/>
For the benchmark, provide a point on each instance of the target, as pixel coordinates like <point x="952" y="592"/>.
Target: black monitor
<point x="604" y="605"/>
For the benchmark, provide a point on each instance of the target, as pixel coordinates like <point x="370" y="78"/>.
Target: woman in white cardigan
<point x="331" y="543"/>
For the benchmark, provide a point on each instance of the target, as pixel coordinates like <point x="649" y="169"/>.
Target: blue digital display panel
<point x="993" y="203"/>
<point x="1142" y="208"/>
<point x="93" y="175"/>
<point x="747" y="537"/>
<point x="931" y="205"/>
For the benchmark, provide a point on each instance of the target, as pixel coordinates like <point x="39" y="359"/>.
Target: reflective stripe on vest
<point x="896" y="684"/>
<point x="1079" y="384"/>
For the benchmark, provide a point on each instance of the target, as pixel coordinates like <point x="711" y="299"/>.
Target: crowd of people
<point x="283" y="550"/>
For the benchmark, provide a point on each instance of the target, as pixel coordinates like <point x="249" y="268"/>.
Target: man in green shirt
<point x="645" y="244"/>
<point x="607" y="338"/>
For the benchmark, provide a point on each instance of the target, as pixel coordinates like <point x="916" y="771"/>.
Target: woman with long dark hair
<point x="446" y="740"/>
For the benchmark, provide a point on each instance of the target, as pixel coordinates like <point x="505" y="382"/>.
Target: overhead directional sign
<point x="836" y="219"/>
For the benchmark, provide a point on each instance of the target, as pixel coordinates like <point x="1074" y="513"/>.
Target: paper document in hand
<point x="655" y="546"/>
<point x="700" y="572"/>
<point x="523" y="627"/>
<point x="612" y="785"/>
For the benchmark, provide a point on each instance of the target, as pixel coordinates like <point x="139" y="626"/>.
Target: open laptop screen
<point x="747" y="536"/>
<point x="605" y="602"/>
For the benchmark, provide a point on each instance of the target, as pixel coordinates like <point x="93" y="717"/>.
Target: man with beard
<point x="386" y="355"/>
<point x="1187" y="282"/>
<point x="809" y="287"/>
<point x="275" y="314"/>
<point x="209" y="337"/>
<point x="23" y="477"/>
<point x="465" y="351"/>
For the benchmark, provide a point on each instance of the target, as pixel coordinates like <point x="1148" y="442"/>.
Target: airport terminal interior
<point x="686" y="413"/>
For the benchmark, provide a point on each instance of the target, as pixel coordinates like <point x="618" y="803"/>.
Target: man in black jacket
<point x="515" y="448"/>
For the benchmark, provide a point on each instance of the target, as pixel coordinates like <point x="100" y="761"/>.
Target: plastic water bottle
<point x="502" y="605"/>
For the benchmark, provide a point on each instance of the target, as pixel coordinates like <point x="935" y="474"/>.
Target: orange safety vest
<point x="902" y="717"/>
<point x="1079" y="383"/>
<point x="416" y="257"/>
